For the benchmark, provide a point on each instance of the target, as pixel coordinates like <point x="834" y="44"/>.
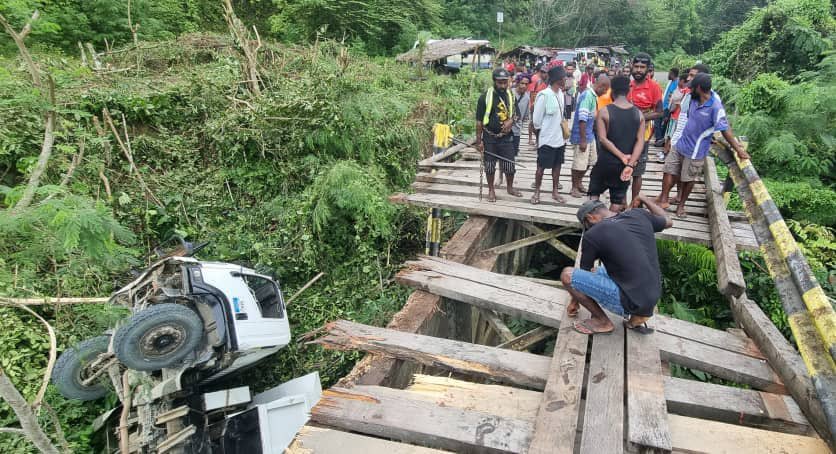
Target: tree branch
<point x="19" y="38"/>
<point x="46" y="152"/>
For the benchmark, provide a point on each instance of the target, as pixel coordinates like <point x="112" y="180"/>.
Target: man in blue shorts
<point x="628" y="281"/>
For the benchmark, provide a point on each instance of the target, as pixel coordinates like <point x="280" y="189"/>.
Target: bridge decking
<point x="448" y="374"/>
<point x="455" y="186"/>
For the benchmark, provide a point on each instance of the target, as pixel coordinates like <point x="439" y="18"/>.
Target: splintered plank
<point x="321" y="440"/>
<point x="647" y="415"/>
<point x="390" y="413"/>
<point x="735" y="405"/>
<point x="693" y="435"/>
<point x="729" y="275"/>
<point x="719" y="362"/>
<point x="501" y="365"/>
<point x="557" y="417"/>
<point x="603" y="428"/>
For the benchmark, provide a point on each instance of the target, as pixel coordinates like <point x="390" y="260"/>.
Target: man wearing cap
<point x="628" y="282"/>
<point x="645" y="94"/>
<point x="548" y="115"/>
<point x="706" y="116"/>
<point x="494" y="138"/>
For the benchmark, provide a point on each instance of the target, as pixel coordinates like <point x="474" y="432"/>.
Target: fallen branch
<point x="46" y="151"/>
<point x="304" y="287"/>
<point x="53" y="352"/>
<point x="125" y="146"/>
<point x="46" y="300"/>
<point x="73" y="164"/>
<point x="18" y="38"/>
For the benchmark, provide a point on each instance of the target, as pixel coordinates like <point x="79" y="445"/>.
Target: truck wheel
<point x="158" y="337"/>
<point x="71" y="370"/>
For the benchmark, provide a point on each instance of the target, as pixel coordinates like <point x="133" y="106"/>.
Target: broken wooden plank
<point x="390" y="413"/>
<point x="729" y="274"/>
<point x="557" y="416"/>
<point x="647" y="414"/>
<point x="735" y="405"/>
<point x="322" y="440"/>
<point x="692" y="435"/>
<point x="529" y="339"/>
<point x="555" y="243"/>
<point x="720" y="363"/>
<point x="603" y="422"/>
<point x="502" y="365"/>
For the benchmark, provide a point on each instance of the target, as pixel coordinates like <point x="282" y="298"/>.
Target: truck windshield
<point x="268" y="296"/>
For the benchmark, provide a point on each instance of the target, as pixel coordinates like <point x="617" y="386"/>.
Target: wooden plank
<point x="390" y="413"/>
<point x="692" y="435"/>
<point x="501" y="365"/>
<point x="557" y="417"/>
<point x="603" y="421"/>
<point x="720" y="363"/>
<point x="705" y="335"/>
<point x="729" y="274"/>
<point x="647" y="415"/>
<point x="735" y="405"/>
<point x="503" y="401"/>
<point x="498" y="325"/>
<point x="529" y="339"/>
<point x="524" y="242"/>
<point x="322" y="440"/>
<point x="450" y="151"/>
<point x="554" y="242"/>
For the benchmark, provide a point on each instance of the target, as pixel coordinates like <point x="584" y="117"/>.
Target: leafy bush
<point x="765" y="94"/>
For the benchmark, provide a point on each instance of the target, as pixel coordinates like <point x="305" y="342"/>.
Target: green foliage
<point x="785" y="37"/>
<point x="765" y="94"/>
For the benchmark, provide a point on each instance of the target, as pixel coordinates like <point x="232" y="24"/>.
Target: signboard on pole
<point x="500" y="17"/>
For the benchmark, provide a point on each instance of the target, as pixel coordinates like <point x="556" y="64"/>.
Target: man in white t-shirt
<point x="548" y="115"/>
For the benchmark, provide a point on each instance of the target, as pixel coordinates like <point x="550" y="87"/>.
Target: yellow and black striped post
<point x="441" y="140"/>
<point x="810" y="315"/>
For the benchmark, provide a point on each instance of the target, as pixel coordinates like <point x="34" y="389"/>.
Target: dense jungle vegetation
<point x="291" y="176"/>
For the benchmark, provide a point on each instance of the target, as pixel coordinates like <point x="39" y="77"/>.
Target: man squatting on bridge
<point x="628" y="281"/>
<point x="494" y="137"/>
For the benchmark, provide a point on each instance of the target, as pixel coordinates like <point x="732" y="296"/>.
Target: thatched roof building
<point x="443" y="48"/>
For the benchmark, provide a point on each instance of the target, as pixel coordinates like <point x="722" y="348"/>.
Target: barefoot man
<point x="548" y="115"/>
<point x="494" y="138"/>
<point x="628" y="281"/>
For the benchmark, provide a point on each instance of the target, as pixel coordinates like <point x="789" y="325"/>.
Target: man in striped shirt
<point x="706" y="116"/>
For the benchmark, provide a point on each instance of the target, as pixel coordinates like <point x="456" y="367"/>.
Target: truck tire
<point x="70" y="370"/>
<point x="158" y="337"/>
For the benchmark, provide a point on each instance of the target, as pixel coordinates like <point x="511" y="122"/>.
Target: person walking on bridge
<point x="494" y="137"/>
<point x="548" y="119"/>
<point x="628" y="281"/>
<point x="685" y="162"/>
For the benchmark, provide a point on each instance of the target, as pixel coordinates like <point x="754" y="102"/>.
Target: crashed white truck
<point x="192" y="323"/>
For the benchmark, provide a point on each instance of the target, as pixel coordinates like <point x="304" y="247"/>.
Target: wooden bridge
<point x="448" y="374"/>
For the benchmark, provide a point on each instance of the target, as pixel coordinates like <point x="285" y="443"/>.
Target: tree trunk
<point x="28" y="420"/>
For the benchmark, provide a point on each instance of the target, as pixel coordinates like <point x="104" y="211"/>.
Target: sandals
<point x="641" y="329"/>
<point x="584" y="328"/>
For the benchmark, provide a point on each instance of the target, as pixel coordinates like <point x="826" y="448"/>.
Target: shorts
<point x="671" y="128"/>
<point x="516" y="145"/>
<point x="641" y="164"/>
<point x="582" y="161"/>
<point x="606" y="178"/>
<point x="550" y="157"/>
<point x="501" y="147"/>
<point x="600" y="287"/>
<point x="686" y="168"/>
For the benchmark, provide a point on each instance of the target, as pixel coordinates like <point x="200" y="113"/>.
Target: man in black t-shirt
<point x="629" y="281"/>
<point x="495" y="113"/>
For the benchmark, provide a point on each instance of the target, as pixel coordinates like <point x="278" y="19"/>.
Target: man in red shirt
<point x="587" y="79"/>
<point x="538" y="83"/>
<point x="646" y="95"/>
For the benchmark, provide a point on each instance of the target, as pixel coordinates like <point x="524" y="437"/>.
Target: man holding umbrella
<point x="495" y="113"/>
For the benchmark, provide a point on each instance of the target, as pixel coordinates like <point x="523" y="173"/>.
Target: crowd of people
<point x="607" y="119"/>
